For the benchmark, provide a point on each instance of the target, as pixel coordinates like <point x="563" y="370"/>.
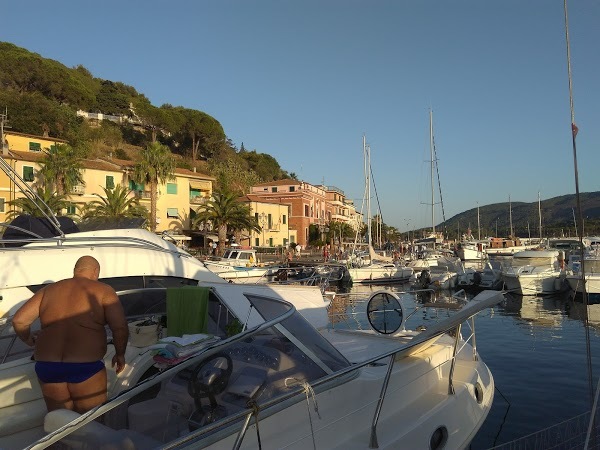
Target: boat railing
<point x="42" y="243"/>
<point x="452" y="325"/>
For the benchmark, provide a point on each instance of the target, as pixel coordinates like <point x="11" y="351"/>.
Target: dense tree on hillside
<point x="23" y="71"/>
<point x="42" y="97"/>
<point x="264" y="165"/>
<point x="112" y="100"/>
<point x="225" y="214"/>
<point x="234" y="176"/>
<point x="62" y="168"/>
<point x="156" y="165"/>
<point x="200" y="133"/>
<point x="34" y="114"/>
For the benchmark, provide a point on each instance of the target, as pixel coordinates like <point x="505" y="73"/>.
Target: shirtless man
<point x="72" y="341"/>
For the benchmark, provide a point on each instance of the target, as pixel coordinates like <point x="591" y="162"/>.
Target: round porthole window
<point x="478" y="393"/>
<point x="438" y="438"/>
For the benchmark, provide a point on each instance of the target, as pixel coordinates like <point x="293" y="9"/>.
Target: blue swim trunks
<point x="66" y="372"/>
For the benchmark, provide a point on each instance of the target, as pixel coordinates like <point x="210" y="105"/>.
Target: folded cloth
<point x="169" y="352"/>
<point x="186" y="339"/>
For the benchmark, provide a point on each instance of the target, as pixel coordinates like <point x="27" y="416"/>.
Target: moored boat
<point x="305" y="384"/>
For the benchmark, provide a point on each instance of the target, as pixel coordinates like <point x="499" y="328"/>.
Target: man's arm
<point x="115" y="318"/>
<point x="25" y="316"/>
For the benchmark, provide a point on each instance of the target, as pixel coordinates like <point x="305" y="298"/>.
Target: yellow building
<point x="273" y="218"/>
<point x="175" y="201"/>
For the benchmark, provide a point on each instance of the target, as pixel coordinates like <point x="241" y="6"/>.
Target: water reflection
<point x="539" y="311"/>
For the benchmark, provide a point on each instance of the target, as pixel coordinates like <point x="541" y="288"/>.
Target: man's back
<point x="72" y="318"/>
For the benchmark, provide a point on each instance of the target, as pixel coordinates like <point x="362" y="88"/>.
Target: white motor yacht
<point x="536" y="272"/>
<point x="280" y="381"/>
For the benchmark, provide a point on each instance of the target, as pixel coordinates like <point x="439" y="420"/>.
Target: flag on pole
<point x="574" y="129"/>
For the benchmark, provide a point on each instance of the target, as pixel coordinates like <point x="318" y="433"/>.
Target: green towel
<point x="187" y="310"/>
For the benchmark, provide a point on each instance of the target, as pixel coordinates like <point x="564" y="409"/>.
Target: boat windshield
<point x="206" y="397"/>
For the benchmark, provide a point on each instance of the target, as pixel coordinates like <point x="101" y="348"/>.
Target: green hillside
<point x="42" y="97"/>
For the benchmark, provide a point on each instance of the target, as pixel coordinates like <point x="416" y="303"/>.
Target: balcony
<point x="78" y="189"/>
<point x="144" y="195"/>
<point x="198" y="199"/>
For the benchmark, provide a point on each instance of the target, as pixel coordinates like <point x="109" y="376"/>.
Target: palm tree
<point x="24" y="205"/>
<point x="116" y="204"/>
<point x="155" y="166"/>
<point x="224" y="213"/>
<point x="62" y="168"/>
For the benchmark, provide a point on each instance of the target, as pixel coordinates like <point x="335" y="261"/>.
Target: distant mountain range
<point x="558" y="214"/>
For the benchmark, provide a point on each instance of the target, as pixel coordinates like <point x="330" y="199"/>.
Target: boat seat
<point x="96" y="435"/>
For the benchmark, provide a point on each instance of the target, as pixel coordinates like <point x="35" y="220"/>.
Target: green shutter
<point x="110" y="182"/>
<point x="171" y="188"/>
<point x="28" y="173"/>
<point x="172" y="212"/>
<point x="2" y="204"/>
<point x="35" y="146"/>
<point x="135" y="187"/>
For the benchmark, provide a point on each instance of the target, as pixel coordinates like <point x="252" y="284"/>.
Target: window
<point x="110" y="182"/>
<point x="269" y="222"/>
<point x="135" y="187"/>
<point x="285" y="242"/>
<point x="256" y="216"/>
<point x="256" y="242"/>
<point x="28" y="173"/>
<point x="172" y="212"/>
<point x="2" y="200"/>
<point x="274" y="189"/>
<point x="292" y="188"/>
<point x="71" y="209"/>
<point x="171" y="188"/>
<point x="305" y="210"/>
<point x="284" y="219"/>
<point x="270" y="242"/>
<point x="35" y="146"/>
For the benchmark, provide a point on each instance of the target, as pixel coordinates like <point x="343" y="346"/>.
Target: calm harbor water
<point x="536" y="350"/>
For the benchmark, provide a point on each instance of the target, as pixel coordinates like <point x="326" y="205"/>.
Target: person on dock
<point x="70" y="347"/>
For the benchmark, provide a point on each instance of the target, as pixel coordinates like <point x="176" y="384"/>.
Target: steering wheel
<point x="210" y="378"/>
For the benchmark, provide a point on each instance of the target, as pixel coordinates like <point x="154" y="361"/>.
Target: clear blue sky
<point x="304" y="80"/>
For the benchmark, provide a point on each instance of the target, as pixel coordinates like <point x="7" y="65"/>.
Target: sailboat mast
<point x="540" y="215"/>
<point x="478" y="224"/>
<point x="432" y="191"/>
<point x="367" y="153"/>
<point x="510" y="217"/>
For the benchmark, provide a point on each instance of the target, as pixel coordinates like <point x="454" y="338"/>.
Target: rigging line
<point x="437" y="169"/>
<point x="376" y="195"/>
<point x="574" y="131"/>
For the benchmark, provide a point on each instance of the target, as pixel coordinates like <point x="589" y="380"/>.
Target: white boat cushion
<point x="96" y="435"/>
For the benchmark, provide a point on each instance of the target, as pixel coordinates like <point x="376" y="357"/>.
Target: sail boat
<point x="428" y="256"/>
<point x="375" y="268"/>
<point x="438" y="268"/>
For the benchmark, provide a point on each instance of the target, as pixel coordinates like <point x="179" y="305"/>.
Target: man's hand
<point x="32" y="338"/>
<point x="119" y="361"/>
